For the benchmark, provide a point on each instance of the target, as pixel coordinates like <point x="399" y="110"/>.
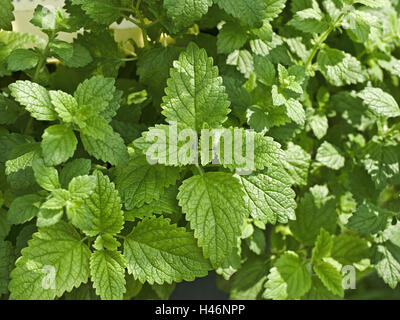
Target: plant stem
<point x="126" y="9"/>
<point x="128" y="59"/>
<point x="41" y="64"/>
<point x="138" y="5"/>
<point x="322" y="39"/>
<point x="28" y="126"/>
<point x="201" y="171"/>
<point x="142" y="23"/>
<point x="43" y="59"/>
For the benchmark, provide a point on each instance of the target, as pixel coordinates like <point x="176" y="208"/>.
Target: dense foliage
<point x="84" y="215"/>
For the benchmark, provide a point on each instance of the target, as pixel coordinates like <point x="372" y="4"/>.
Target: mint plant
<point x="109" y="188"/>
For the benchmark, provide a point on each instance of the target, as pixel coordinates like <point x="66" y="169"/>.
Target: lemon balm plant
<point x="89" y="211"/>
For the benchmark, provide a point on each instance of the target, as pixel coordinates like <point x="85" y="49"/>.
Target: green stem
<point x="126" y="9"/>
<point x="200" y="169"/>
<point x="128" y="59"/>
<point x="322" y="39"/>
<point x="143" y="25"/>
<point x="40" y="65"/>
<point x="42" y="60"/>
<point x="28" y="126"/>
<point x="393" y="129"/>
<point x="138" y="5"/>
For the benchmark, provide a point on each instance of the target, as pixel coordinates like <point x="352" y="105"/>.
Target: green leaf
<point x="133" y="287"/>
<point x="362" y="22"/>
<point x="44" y="18"/>
<point x="23" y="209"/>
<point x="352" y="110"/>
<point x="61" y="49"/>
<point x="111" y="111"/>
<point x="49" y="217"/>
<point x="249" y="281"/>
<point x="185" y="12"/>
<point x="154" y="68"/>
<point x="387" y="262"/>
<point x="230" y="38"/>
<point x="297" y="164"/>
<point x="22" y="59"/>
<point x="172" y="255"/>
<point x="330" y="156"/>
<point x="104" y="50"/>
<point x="257" y="242"/>
<point x="330" y="277"/>
<point x="274" y="8"/>
<point x="6" y="261"/>
<point x="112" y="150"/>
<point x="243" y="60"/>
<point x="381" y="162"/>
<point x="319" y="125"/>
<point x="348" y="249"/>
<point x="84" y="292"/>
<point x="21" y="157"/>
<point x="214" y="205"/>
<point x="231" y="264"/>
<point x="261" y="151"/>
<point x="81" y="187"/>
<point x="57" y="200"/>
<point x="318" y="291"/>
<point x="5" y="226"/>
<point x="372" y="3"/>
<point x="65" y="105"/>
<point x="55" y="261"/>
<point x="265" y="70"/>
<point x="269" y="197"/>
<point x="264" y="33"/>
<point x="380" y="102"/>
<point x="294" y="109"/>
<point x="96" y="127"/>
<point x="81" y="57"/>
<point x="195" y="95"/>
<point x="316" y="210"/>
<point x="96" y="93"/>
<point x="165" y="144"/>
<point x="75" y="168"/>
<point x="107" y="269"/>
<point x="101" y="11"/>
<point x="323" y="246"/>
<point x="106" y="241"/>
<point x="46" y="177"/>
<point x="288" y="279"/>
<point x="291" y="79"/>
<point x="167" y="204"/>
<point x="310" y="20"/>
<point x="9" y="111"/>
<point x="340" y="68"/>
<point x="369" y="219"/>
<point x="250" y="13"/>
<point x="258" y="119"/>
<point x="102" y="208"/>
<point x="6" y="14"/>
<point x="58" y="144"/>
<point x="35" y="98"/>
<point x="140" y="182"/>
<point x="24" y="236"/>
<point x="391" y="65"/>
